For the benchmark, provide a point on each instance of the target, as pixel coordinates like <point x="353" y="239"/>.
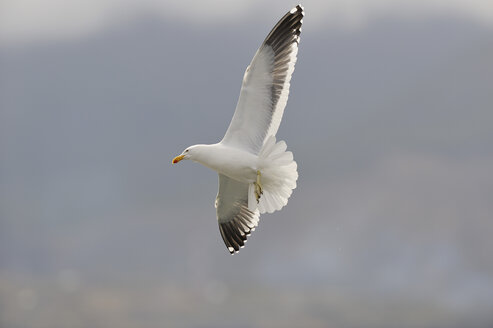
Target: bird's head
<point x="191" y="152"/>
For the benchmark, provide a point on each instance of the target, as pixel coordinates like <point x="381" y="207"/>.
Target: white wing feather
<point x="236" y="220"/>
<point x="265" y="88"/>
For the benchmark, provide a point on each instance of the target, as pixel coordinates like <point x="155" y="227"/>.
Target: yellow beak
<point x="177" y="159"/>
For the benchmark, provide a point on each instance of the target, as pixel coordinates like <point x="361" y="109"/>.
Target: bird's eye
<point x="186" y="151"/>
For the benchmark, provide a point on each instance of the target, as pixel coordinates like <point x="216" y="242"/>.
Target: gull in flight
<point x="256" y="173"/>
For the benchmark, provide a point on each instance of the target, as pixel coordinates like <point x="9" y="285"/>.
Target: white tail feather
<point x="278" y="176"/>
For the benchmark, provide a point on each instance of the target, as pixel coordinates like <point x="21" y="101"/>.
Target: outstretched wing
<point x="265" y="87"/>
<point x="236" y="220"/>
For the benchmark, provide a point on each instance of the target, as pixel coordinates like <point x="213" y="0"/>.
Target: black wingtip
<point x="236" y="231"/>
<point x="234" y="235"/>
<point x="288" y="29"/>
<point x="299" y="8"/>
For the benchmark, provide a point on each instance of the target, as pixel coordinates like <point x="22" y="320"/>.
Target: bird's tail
<point x="278" y="175"/>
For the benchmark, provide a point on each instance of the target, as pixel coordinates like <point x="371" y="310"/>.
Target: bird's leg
<point x="258" y="187"/>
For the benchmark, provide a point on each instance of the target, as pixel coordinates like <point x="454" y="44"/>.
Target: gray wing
<point x="236" y="221"/>
<point x="265" y="88"/>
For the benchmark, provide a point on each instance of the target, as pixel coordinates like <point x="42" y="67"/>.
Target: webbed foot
<point x="258" y="187"/>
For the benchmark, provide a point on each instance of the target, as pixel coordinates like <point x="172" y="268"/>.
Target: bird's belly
<point x="240" y="173"/>
<point x="243" y="171"/>
<point x="239" y="165"/>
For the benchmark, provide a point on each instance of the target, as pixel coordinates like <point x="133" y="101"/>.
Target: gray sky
<point x="389" y="120"/>
<point x="30" y="20"/>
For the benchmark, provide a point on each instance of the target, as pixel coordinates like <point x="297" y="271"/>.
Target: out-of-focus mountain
<point x="391" y="128"/>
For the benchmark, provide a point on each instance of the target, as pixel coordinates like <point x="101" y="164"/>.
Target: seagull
<point x="256" y="173"/>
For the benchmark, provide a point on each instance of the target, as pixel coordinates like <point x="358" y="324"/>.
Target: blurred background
<point x="390" y="119"/>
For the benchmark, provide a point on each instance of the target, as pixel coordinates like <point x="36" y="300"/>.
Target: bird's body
<point x="240" y="165"/>
<point x="256" y="173"/>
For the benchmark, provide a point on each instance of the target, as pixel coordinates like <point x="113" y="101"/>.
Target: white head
<point x="192" y="152"/>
